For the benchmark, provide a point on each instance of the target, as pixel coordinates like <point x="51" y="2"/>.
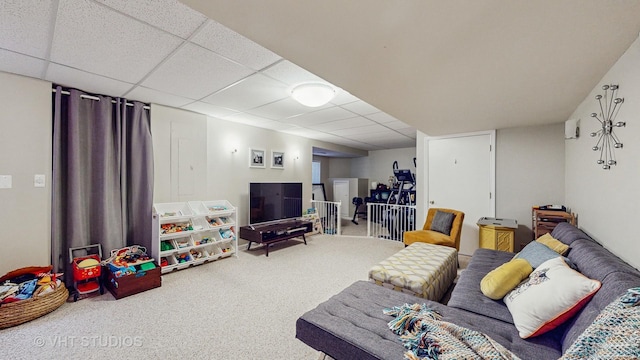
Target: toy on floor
<point x="86" y="270"/>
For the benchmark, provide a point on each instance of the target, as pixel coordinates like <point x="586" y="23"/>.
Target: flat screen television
<point x="274" y="201"/>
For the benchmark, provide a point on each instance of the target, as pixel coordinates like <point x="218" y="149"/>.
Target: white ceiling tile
<point x="361" y="130"/>
<point x="381" y="117"/>
<point x="168" y="15"/>
<point x="24" y="26"/>
<point x="328" y="137"/>
<point x="343" y="124"/>
<point x="291" y="74"/>
<point x="410" y="132"/>
<point x="208" y="109"/>
<point x="356" y="144"/>
<point x="396" y="125"/>
<point x="21" y="64"/>
<point x="281" y="109"/>
<point x="254" y="91"/>
<point x="142" y="93"/>
<point x="276" y="125"/>
<point x="388" y="134"/>
<point x="319" y="117"/>
<point x="228" y="43"/>
<point x="343" y="97"/>
<point x="85" y="81"/>
<point x="393" y="144"/>
<point x="195" y="72"/>
<point x="360" y="107"/>
<point x="304" y="132"/>
<point x="90" y="37"/>
<point x="257" y="121"/>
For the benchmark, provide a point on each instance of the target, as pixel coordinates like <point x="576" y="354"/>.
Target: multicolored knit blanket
<point x="425" y="336"/>
<point x="614" y="334"/>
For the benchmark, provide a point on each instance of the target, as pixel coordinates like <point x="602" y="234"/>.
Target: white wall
<point x="223" y="153"/>
<point x="378" y="166"/>
<point x="608" y="202"/>
<point x="170" y="128"/>
<point x="529" y="171"/>
<point x="25" y="150"/>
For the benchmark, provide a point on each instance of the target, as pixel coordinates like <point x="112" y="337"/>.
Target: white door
<point x="341" y="193"/>
<point x="461" y="176"/>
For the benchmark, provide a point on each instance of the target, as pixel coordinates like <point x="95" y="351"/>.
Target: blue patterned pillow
<point x="536" y="253"/>
<point x="442" y="222"/>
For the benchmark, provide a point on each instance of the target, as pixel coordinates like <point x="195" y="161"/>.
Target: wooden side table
<point x="497" y="234"/>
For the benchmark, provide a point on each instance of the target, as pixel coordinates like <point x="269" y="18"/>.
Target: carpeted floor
<point x="235" y="308"/>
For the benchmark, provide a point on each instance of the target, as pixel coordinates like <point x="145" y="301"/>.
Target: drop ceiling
<point x="441" y="67"/>
<point x="163" y="52"/>
<point x="447" y="66"/>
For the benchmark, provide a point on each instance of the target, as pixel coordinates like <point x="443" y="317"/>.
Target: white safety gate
<point x="390" y="221"/>
<point x="329" y="214"/>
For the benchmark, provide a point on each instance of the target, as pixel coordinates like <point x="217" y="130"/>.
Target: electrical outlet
<point x="5" y="181"/>
<point x="39" y="180"/>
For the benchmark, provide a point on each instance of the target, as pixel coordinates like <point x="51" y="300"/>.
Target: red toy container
<point x="86" y="279"/>
<point x="84" y="273"/>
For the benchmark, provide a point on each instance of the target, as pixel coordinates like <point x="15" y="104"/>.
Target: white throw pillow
<point x="553" y="294"/>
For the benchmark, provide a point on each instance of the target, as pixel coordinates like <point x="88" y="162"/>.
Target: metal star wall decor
<point x="608" y="141"/>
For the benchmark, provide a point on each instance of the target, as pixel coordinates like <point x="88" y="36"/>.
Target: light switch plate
<point x="39" y="180"/>
<point x="5" y="181"/>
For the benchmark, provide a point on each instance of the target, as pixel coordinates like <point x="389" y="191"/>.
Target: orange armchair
<point x="433" y="237"/>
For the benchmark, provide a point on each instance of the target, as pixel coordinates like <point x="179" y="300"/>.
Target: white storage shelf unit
<point x="191" y="233"/>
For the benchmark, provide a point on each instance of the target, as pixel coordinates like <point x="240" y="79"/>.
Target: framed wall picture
<point x="277" y="159"/>
<point x="256" y="158"/>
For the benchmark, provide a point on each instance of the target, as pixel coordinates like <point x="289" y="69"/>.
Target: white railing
<point x="390" y="221"/>
<point x="329" y="214"/>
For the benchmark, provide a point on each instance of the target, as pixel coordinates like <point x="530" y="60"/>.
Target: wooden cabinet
<point x="544" y="221"/>
<point x="497" y="234"/>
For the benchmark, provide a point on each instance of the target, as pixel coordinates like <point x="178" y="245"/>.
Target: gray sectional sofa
<point x="351" y="324"/>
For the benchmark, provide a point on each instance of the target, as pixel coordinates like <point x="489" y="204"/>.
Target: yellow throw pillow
<point x="497" y="283"/>
<point x="553" y="244"/>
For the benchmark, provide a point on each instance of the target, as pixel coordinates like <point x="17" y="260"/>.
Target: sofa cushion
<point x="568" y="233"/>
<point x="467" y="295"/>
<point x="595" y="261"/>
<point x="553" y="244"/>
<point x="536" y="253"/>
<point x="431" y="237"/>
<point x="442" y="222"/>
<point x="552" y="295"/>
<point x="351" y="325"/>
<point x="499" y="281"/>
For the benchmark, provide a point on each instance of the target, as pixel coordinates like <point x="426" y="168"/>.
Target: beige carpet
<point x="235" y="308"/>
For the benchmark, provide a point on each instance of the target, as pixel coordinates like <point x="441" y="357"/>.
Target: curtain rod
<point x="64" y="92"/>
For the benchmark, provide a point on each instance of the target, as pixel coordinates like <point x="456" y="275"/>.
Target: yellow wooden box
<point x="497" y="234"/>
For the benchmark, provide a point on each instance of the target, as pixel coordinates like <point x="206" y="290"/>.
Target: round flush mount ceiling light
<point x="313" y="94"/>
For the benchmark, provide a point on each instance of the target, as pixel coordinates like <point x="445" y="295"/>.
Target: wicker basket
<point x="19" y="312"/>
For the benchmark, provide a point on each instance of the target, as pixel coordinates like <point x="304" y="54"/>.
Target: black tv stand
<point x="271" y="233"/>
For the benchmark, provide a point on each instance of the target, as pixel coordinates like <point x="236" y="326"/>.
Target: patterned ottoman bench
<point x="421" y="269"/>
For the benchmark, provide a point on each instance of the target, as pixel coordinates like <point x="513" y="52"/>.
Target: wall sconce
<point x="607" y="139"/>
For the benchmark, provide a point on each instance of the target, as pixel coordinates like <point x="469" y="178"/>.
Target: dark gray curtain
<point x="102" y="175"/>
